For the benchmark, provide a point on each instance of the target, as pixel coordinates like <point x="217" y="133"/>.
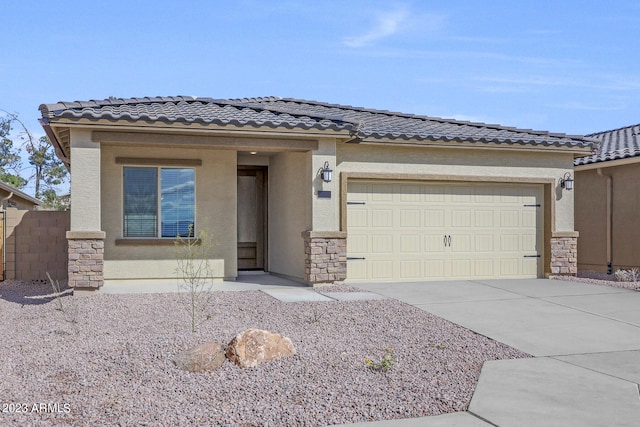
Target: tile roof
<point x="615" y="144"/>
<point x="287" y="113"/>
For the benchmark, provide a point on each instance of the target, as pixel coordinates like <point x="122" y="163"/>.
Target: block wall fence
<point x="36" y="244"/>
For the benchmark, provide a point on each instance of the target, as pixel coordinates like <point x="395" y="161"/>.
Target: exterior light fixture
<point x="566" y="182"/>
<point x="326" y="173"/>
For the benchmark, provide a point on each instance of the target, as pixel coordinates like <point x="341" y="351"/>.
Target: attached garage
<point x="409" y="230"/>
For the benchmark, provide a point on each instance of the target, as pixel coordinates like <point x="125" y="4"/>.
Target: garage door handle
<point x="532" y="256"/>
<point x="447" y="240"/>
<point x="351" y="258"/>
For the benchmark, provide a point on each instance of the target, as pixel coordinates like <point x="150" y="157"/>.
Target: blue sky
<point x="563" y="66"/>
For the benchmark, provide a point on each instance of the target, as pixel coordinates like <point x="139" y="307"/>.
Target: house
<point x="11" y="197"/>
<point x="608" y="202"/>
<point x="310" y="191"/>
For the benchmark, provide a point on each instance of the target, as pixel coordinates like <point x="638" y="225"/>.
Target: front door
<point x="251" y="217"/>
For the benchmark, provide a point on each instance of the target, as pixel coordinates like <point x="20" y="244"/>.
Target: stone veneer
<point x="86" y="259"/>
<point x="564" y="253"/>
<point x="325" y="256"/>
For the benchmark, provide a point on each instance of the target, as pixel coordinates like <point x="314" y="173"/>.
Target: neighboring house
<point x="11" y="197"/>
<point x="608" y="202"/>
<point x="409" y="198"/>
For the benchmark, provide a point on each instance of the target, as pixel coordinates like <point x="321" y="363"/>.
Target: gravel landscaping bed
<point x="598" y="278"/>
<point x="113" y="365"/>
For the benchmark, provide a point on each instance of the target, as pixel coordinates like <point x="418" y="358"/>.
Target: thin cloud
<point x="386" y="25"/>
<point x="577" y="105"/>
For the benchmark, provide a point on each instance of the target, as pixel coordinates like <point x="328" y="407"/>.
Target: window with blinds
<point x="171" y="214"/>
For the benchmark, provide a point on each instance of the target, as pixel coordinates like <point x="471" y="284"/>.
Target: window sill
<point x="152" y="242"/>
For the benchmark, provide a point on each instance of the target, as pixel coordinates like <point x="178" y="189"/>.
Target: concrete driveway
<point x="585" y="339"/>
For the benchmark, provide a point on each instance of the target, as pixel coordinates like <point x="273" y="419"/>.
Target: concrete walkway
<point x="585" y="339"/>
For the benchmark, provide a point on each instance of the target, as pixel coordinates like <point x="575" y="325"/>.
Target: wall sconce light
<point x="326" y="173"/>
<point x="566" y="182"/>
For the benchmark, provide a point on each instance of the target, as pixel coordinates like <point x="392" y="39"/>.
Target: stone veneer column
<point x="86" y="259"/>
<point x="325" y="256"/>
<point x="564" y="253"/>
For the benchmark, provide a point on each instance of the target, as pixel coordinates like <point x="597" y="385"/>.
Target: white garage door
<point x="427" y="230"/>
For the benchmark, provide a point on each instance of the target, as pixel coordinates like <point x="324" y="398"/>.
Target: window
<point x="171" y="214"/>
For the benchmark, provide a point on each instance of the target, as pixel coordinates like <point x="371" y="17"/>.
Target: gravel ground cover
<point x="112" y="366"/>
<point x="598" y="278"/>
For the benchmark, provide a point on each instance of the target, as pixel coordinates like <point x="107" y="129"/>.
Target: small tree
<point x="10" y="161"/>
<point x="195" y="275"/>
<point x="47" y="170"/>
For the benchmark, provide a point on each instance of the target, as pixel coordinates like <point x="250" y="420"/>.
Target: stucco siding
<point x="85" y="188"/>
<point x="591" y="218"/>
<point x="215" y="210"/>
<point x="480" y="164"/>
<point x="289" y="212"/>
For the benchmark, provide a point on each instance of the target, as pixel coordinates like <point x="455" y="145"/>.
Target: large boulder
<point x="201" y="358"/>
<point x="255" y="346"/>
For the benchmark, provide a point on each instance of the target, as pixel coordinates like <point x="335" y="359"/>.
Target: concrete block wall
<point x="35" y="244"/>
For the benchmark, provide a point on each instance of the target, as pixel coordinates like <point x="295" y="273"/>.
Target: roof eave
<point x="492" y="145"/>
<point x="607" y="164"/>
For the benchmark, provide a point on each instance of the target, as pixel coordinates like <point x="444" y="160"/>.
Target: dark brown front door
<point x="251" y="217"/>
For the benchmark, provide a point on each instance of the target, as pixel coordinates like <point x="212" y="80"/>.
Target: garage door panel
<point x="509" y="266"/>
<point x="484" y="268"/>
<point x="530" y="266"/>
<point x="382" y="192"/>
<point x="529" y="243"/>
<point x="410" y="218"/>
<point x="402" y="230"/>
<point x="434" y="218"/>
<point x="509" y="219"/>
<point x="381" y="244"/>
<point x="382" y="218"/>
<point x="460" y="243"/>
<point x="484" y="243"/>
<point x="529" y="218"/>
<point x="411" y="269"/>
<point x="382" y="270"/>
<point x="434" y="243"/>
<point x="461" y="268"/>
<point x="357" y="244"/>
<point x="484" y="219"/>
<point x="461" y="218"/>
<point x="410" y="193"/>
<point x="509" y="243"/>
<point x="410" y="244"/>
<point x="434" y="268"/>
<point x="358" y="218"/>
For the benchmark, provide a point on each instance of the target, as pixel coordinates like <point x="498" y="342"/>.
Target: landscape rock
<point x="255" y="346"/>
<point x="201" y="358"/>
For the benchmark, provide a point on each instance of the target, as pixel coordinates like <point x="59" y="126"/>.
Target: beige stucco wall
<point x="9" y="200"/>
<point x="591" y="218"/>
<point x="325" y="211"/>
<point x="491" y="164"/>
<point x="289" y="212"/>
<point x="215" y="210"/>
<point x="85" y="188"/>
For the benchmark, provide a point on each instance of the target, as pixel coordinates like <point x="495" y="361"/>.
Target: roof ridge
<point x="63" y="105"/>
<point x="429" y="118"/>
<point x="611" y="130"/>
